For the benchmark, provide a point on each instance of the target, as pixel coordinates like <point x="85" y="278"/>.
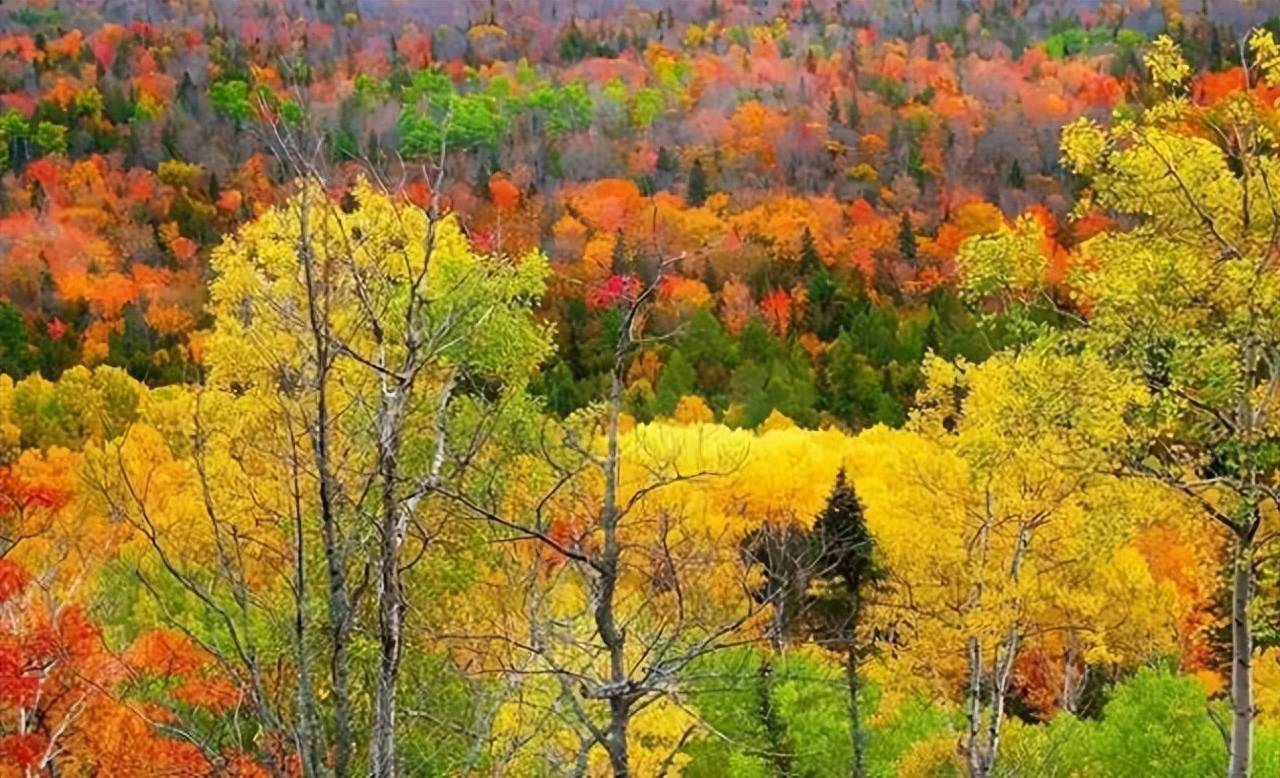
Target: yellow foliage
<point x="692" y="409"/>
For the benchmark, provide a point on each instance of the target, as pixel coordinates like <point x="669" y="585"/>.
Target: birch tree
<point x="1182" y="297"/>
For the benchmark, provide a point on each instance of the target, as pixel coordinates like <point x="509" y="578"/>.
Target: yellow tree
<point x="360" y="359"/>
<point x="597" y="506"/>
<point x="1001" y="531"/>
<point x="1184" y="299"/>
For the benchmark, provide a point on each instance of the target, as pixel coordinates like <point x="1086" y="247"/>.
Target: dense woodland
<point x="791" y="388"/>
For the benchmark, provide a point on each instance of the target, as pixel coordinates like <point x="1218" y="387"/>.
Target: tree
<point x="357" y="300"/>
<point x="907" y="238"/>
<point x="1186" y="303"/>
<point x="697" y="192"/>
<point x="847" y="571"/>
<point x="15" y="354"/>
<point x="598" y="523"/>
<point x="1016" y="179"/>
<point x="1028" y="533"/>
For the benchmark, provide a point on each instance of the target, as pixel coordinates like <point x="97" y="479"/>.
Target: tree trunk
<point x="382" y="740"/>
<point x="851" y="669"/>
<point x="606" y="625"/>
<point x="340" y="632"/>
<point x="311" y="741"/>
<point x="973" y="712"/>
<point x="1241" y="763"/>
<point x="340" y="610"/>
<point x="983" y="751"/>
<point x="382" y="745"/>
<point x="619" y="721"/>
<point x="779" y="751"/>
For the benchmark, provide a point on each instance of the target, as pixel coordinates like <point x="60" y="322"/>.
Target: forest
<point x="532" y="388"/>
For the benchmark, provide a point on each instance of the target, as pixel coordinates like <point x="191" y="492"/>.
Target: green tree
<point x="675" y="381"/>
<point x="697" y="192"/>
<point x="15" y="349"/>
<point x="231" y="99"/>
<point x="847" y="572"/>
<point x="906" y="238"/>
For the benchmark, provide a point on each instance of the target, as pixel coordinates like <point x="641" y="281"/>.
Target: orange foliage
<point x="504" y="193"/>
<point x="776" y="308"/>
<point x="59" y="703"/>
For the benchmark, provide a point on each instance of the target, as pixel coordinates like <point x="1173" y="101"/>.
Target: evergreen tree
<point x="667" y="162"/>
<point x="15" y="354"/>
<point x="665" y="168"/>
<point x="785" y="558"/>
<point x="697" y="185"/>
<point x="1015" y="176"/>
<point x="810" y="259"/>
<point x="676" y="380"/>
<point x="620" y="261"/>
<point x="574" y="44"/>
<point x="907" y="238"/>
<point x="822" y="313"/>
<point x="846" y="564"/>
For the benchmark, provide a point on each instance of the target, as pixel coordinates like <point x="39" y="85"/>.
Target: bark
<point x="607" y="582"/>
<point x="973" y="713"/>
<point x="1241" y="761"/>
<point x="983" y="751"/>
<point x="382" y="750"/>
<point x="331" y="536"/>
<point x="310" y="737"/>
<point x="340" y="633"/>
<point x="854" y="681"/>
<point x="779" y="754"/>
<point x="390" y="626"/>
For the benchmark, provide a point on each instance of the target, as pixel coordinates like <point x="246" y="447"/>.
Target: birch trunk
<point x="1241" y="762"/>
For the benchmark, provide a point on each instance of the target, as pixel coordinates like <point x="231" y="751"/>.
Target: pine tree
<point x="847" y="565"/>
<point x="810" y="259"/>
<point x="15" y="353"/>
<point x="667" y="162"/>
<point x="697" y="185"/>
<point x="1016" y="179"/>
<point x="665" y="168"/>
<point x="620" y="261"/>
<point x="906" y="238"/>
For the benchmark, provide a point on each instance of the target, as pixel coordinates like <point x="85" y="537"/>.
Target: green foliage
<point x="231" y="99"/>
<point x="647" y="105"/>
<point x="676" y="380"/>
<point x="697" y="192"/>
<point x="771" y="375"/>
<point x="811" y="705"/>
<point x="1156" y="723"/>
<point x="16" y="359"/>
<point x="83" y="404"/>
<point x="433" y="110"/>
<point x="1075" y="40"/>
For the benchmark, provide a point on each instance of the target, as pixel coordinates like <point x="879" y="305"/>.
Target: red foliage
<point x="504" y="193"/>
<point x="776" y="308"/>
<point x="13" y="580"/>
<point x="615" y="289"/>
<point x="24" y="750"/>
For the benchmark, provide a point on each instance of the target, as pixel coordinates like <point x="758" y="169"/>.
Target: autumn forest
<point x="535" y="388"/>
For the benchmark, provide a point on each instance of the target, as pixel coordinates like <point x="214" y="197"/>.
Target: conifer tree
<point x="846" y="572"/>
